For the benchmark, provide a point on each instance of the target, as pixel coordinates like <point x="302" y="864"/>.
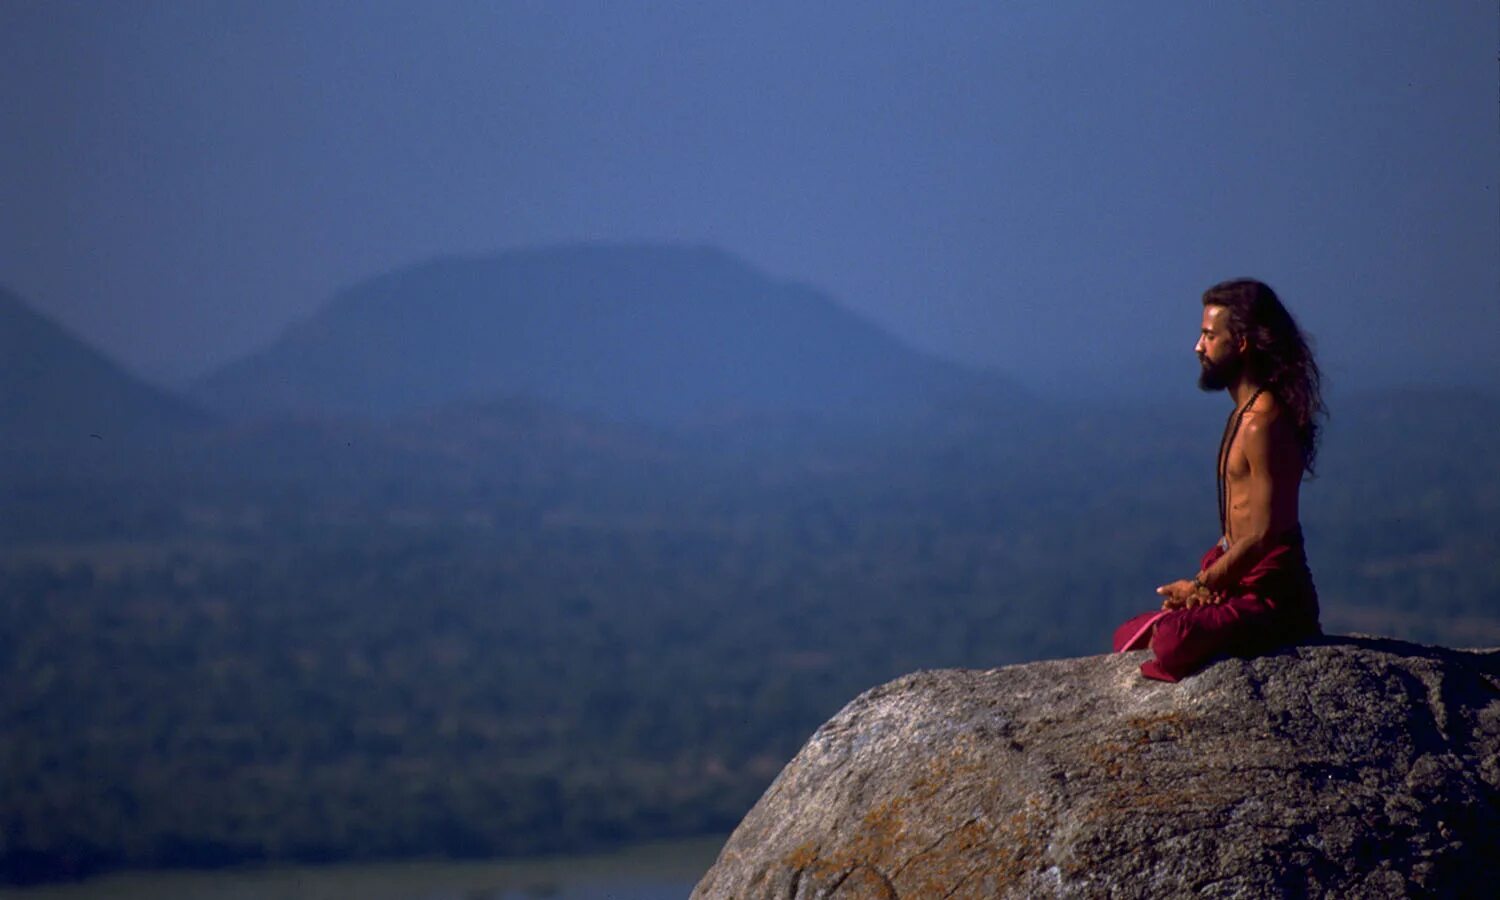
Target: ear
<point x="1242" y="344"/>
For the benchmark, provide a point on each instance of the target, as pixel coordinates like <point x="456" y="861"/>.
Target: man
<point x="1253" y="591"/>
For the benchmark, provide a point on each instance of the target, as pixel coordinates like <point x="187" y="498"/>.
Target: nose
<point x="1198" y="347"/>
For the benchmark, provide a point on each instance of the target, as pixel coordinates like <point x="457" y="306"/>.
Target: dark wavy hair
<point x="1278" y="355"/>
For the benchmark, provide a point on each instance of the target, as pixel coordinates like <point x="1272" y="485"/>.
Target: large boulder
<point x="1356" y="767"/>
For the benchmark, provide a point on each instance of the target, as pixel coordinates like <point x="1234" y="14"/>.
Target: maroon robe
<point x="1274" y="604"/>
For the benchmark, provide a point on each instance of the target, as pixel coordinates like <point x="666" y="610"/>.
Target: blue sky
<point x="1040" y="187"/>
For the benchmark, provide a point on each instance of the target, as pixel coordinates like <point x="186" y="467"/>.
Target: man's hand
<point x="1185" y="594"/>
<point x="1178" y="594"/>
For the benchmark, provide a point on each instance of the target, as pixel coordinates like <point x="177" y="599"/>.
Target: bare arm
<point x="1263" y="505"/>
<point x="1252" y="515"/>
<point x="1264" y="500"/>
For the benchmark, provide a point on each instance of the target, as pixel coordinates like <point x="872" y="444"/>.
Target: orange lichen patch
<point x="1108" y="757"/>
<point x="881" y="834"/>
<point x="1133" y="796"/>
<point x="802" y="857"/>
<point x="1161" y="726"/>
<point x="884" y="850"/>
<point x="865" y="882"/>
<point x="1143" y="798"/>
<point x="898" y="843"/>
<point x="979" y="855"/>
<point x="1120" y="760"/>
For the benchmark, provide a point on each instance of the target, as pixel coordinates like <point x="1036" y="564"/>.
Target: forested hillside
<point x="507" y="628"/>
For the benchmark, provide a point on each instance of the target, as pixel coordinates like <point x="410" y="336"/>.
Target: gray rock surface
<point x="1356" y="767"/>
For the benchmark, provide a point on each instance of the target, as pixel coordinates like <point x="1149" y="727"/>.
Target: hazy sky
<point x="1043" y="187"/>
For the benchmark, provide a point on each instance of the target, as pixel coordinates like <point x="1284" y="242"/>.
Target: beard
<point x="1218" y="376"/>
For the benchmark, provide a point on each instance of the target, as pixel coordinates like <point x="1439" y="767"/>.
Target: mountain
<point x="658" y="333"/>
<point x="54" y="388"/>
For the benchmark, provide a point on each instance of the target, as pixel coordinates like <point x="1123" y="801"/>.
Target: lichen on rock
<point x="1351" y="767"/>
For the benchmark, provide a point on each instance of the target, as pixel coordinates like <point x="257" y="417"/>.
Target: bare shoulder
<point x="1265" y="417"/>
<point x="1264" y="424"/>
<point x="1270" y="430"/>
<point x="1265" y="409"/>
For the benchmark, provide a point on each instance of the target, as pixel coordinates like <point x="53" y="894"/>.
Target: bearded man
<point x="1253" y="592"/>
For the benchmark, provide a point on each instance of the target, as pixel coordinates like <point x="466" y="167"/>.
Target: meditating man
<point x="1253" y="591"/>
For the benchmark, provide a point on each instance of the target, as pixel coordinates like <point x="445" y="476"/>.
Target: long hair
<point x="1278" y="355"/>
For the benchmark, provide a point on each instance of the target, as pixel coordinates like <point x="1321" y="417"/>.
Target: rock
<point x="1355" y="767"/>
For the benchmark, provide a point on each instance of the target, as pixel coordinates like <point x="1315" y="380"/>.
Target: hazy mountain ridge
<point x="660" y="333"/>
<point x="54" y="387"/>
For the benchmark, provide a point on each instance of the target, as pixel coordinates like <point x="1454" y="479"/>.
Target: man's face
<point x="1218" y="351"/>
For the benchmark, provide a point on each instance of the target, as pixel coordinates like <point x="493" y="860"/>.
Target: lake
<point x="657" y="871"/>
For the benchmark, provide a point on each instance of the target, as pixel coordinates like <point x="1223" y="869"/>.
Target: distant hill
<point x="657" y="333"/>
<point x="55" y="388"/>
<point x="515" y="441"/>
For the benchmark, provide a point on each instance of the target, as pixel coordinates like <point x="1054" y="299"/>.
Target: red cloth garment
<point x="1275" y="604"/>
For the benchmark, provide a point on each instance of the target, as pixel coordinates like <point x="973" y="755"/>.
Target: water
<point x="662" y="871"/>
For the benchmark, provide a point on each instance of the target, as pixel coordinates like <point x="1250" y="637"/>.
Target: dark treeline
<point x="502" y="631"/>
